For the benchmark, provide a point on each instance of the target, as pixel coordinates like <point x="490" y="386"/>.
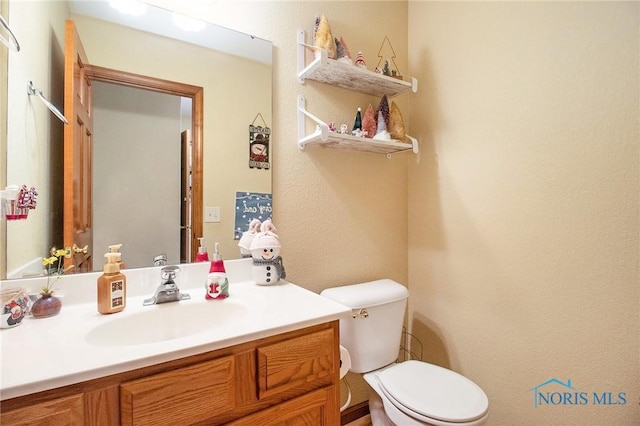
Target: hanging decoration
<point x="390" y="54"/>
<point x="259" y="144"/>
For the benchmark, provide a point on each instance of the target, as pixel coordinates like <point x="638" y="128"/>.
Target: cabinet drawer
<point x="183" y="396"/>
<point x="62" y="411"/>
<point x="297" y="365"/>
<point x="317" y="408"/>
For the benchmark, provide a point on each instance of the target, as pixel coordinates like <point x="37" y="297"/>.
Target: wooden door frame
<point x="196" y="93"/>
<point x="77" y="174"/>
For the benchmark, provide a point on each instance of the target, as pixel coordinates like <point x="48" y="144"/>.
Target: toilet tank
<point x="372" y="335"/>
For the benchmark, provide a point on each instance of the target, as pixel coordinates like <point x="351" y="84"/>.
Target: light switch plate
<point x="212" y="214"/>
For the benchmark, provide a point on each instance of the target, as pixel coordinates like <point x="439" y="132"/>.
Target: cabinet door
<point x="297" y="365"/>
<point x="183" y="396"/>
<point x="317" y="408"/>
<point x="62" y="411"/>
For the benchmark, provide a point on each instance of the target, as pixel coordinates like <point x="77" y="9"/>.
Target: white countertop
<point x="46" y="353"/>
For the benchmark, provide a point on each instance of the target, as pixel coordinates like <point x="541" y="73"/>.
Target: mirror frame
<point x="123" y="78"/>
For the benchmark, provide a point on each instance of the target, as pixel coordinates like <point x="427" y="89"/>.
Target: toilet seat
<point x="428" y="392"/>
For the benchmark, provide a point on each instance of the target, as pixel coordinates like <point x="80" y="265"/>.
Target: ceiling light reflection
<point x="129" y="7"/>
<point x="188" y="24"/>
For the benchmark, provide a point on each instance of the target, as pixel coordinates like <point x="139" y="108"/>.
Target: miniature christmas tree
<point x="316" y="24"/>
<point x="324" y="38"/>
<point x="357" y="124"/>
<point x="383" y="108"/>
<point x="342" y="52"/>
<point x="386" y="69"/>
<point x="345" y="48"/>
<point x="381" y="131"/>
<point x="388" y="53"/>
<point x="339" y="49"/>
<point x="369" y="122"/>
<point x="396" y="123"/>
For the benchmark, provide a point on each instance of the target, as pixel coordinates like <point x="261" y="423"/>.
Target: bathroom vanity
<point x="266" y="355"/>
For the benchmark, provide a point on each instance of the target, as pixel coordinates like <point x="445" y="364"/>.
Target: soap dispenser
<point x="112" y="287"/>
<point x="217" y="286"/>
<point x="115" y="248"/>
<point x="202" y="255"/>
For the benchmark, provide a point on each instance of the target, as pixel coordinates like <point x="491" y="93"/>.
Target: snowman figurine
<point x="265" y="250"/>
<point x="247" y="237"/>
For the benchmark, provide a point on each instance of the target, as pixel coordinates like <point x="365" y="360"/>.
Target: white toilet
<point x="406" y="393"/>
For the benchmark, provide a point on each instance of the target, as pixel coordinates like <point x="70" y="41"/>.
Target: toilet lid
<point x="433" y="392"/>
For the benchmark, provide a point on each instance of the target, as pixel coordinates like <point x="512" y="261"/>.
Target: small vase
<point x="46" y="306"/>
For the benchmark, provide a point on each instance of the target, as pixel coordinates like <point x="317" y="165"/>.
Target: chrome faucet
<point x="160" y="260"/>
<point x="168" y="290"/>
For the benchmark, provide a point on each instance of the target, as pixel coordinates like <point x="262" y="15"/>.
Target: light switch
<point x="212" y="214"/>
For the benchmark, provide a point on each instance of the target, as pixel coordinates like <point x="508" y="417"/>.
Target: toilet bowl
<point x="407" y="393"/>
<point x="417" y="393"/>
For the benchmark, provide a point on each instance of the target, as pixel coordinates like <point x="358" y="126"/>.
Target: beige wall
<point x="523" y="205"/>
<point x="34" y="134"/>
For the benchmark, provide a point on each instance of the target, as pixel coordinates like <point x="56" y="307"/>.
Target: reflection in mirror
<point x="149" y="172"/>
<point x="236" y="88"/>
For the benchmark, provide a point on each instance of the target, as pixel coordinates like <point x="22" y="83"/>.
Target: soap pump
<point x="115" y="248"/>
<point x="202" y="255"/>
<point x="112" y="287"/>
<point x="217" y="286"/>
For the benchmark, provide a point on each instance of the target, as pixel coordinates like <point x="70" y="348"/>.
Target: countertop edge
<point x="45" y="385"/>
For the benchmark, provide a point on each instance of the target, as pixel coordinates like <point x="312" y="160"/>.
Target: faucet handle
<point x="169" y="273"/>
<point x="168" y="290"/>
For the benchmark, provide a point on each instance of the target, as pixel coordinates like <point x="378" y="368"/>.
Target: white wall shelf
<point x="348" y="76"/>
<point x="325" y="138"/>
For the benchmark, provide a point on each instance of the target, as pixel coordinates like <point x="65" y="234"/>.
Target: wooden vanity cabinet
<point x="290" y="378"/>
<point x="68" y="410"/>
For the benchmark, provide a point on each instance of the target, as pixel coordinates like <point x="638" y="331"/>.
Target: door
<point x="77" y="221"/>
<point x="185" y="196"/>
<point x="195" y="211"/>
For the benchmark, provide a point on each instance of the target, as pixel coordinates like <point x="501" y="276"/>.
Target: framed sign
<point x="249" y="206"/>
<point x="259" y="145"/>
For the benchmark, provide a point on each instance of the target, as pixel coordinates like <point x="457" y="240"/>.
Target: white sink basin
<point x="163" y="322"/>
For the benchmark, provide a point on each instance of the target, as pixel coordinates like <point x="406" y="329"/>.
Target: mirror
<point x="234" y="70"/>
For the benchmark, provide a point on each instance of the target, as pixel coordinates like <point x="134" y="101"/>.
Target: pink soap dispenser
<point x="202" y="255"/>
<point x="217" y="285"/>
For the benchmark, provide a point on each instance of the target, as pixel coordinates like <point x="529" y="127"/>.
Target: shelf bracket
<point x="414" y="143"/>
<point x="322" y="129"/>
<point x="318" y="61"/>
<point x="414" y="85"/>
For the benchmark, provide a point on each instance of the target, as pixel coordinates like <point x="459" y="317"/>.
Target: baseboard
<point x="354" y="412"/>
